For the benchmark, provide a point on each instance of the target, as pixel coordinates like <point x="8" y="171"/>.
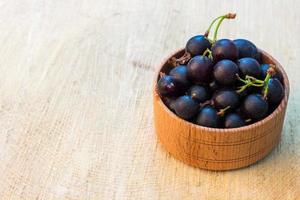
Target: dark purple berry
<point x="224" y="49"/>
<point x="198" y="93"/>
<point x="185" y="107"/>
<point x="246" y="48"/>
<point x="226" y="98"/>
<point x="275" y="91"/>
<point x="208" y="117"/>
<point x="233" y="120"/>
<point x="179" y="73"/>
<point x="249" y="66"/>
<point x="197" y="45"/>
<point x="168" y="86"/>
<point x="200" y="69"/>
<point x="255" y="106"/>
<point x="264" y="69"/>
<point x="169" y="102"/>
<point x="272" y="107"/>
<point x="225" y="72"/>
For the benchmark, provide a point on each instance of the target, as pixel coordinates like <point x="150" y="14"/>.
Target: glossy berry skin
<point x="197" y="45"/>
<point x="264" y="69"/>
<point x="208" y="117"/>
<point x="198" y="93"/>
<point x="200" y="69"/>
<point x="168" y="86"/>
<point x="179" y="73"/>
<point x="225" y="72"/>
<point x="224" y="98"/>
<point x="255" y="107"/>
<point x="185" y="107"/>
<point x="224" y="49"/>
<point x="249" y="66"/>
<point x="246" y="48"/>
<point x="275" y="91"/>
<point x="233" y="120"/>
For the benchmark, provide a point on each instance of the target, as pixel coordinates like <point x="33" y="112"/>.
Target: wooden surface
<point x="76" y="101"/>
<point x="213" y="148"/>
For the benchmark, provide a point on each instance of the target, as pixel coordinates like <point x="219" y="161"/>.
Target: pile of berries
<point x="221" y="83"/>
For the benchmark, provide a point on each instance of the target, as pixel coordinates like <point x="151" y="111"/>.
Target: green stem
<point x="257" y="85"/>
<point x="266" y="85"/>
<point x="249" y="81"/>
<point x="222" y="111"/>
<point x="217" y="28"/>
<point x="254" y="79"/>
<point x="207" y="51"/>
<point x="244" y="87"/>
<point x="219" y="19"/>
<point x="240" y="79"/>
<point x="211" y="24"/>
<point x="271" y="72"/>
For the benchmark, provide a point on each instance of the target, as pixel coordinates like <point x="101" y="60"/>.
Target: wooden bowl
<point x="218" y="149"/>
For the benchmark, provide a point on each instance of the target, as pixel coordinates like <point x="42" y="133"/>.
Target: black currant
<point x="250" y="67"/>
<point x="225" y="72"/>
<point x="199" y="93"/>
<point x="197" y="45"/>
<point x="234" y="120"/>
<point x="168" y="86"/>
<point x="169" y="102"/>
<point x="255" y="106"/>
<point x="200" y="69"/>
<point x="185" y="107"/>
<point x="208" y="116"/>
<point x="246" y="48"/>
<point x="224" y="49"/>
<point x="179" y="73"/>
<point x="225" y="98"/>
<point x="275" y="91"/>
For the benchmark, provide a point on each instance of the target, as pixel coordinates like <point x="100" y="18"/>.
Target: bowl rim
<point x="271" y="116"/>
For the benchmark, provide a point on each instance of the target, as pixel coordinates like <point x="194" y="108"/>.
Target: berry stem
<point x="243" y="88"/>
<point x="249" y="81"/>
<point x="207" y="51"/>
<point x="217" y="29"/>
<point x="221" y="112"/>
<point x="240" y="79"/>
<point x="271" y="71"/>
<point x="266" y="85"/>
<point x="211" y="24"/>
<point x="251" y="78"/>
<point x="221" y="19"/>
<point x="256" y="85"/>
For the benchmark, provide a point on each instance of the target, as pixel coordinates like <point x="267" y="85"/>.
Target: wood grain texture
<point x="217" y="149"/>
<point x="76" y="99"/>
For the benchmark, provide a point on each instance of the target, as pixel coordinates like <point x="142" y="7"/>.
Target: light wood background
<point x="76" y="118"/>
